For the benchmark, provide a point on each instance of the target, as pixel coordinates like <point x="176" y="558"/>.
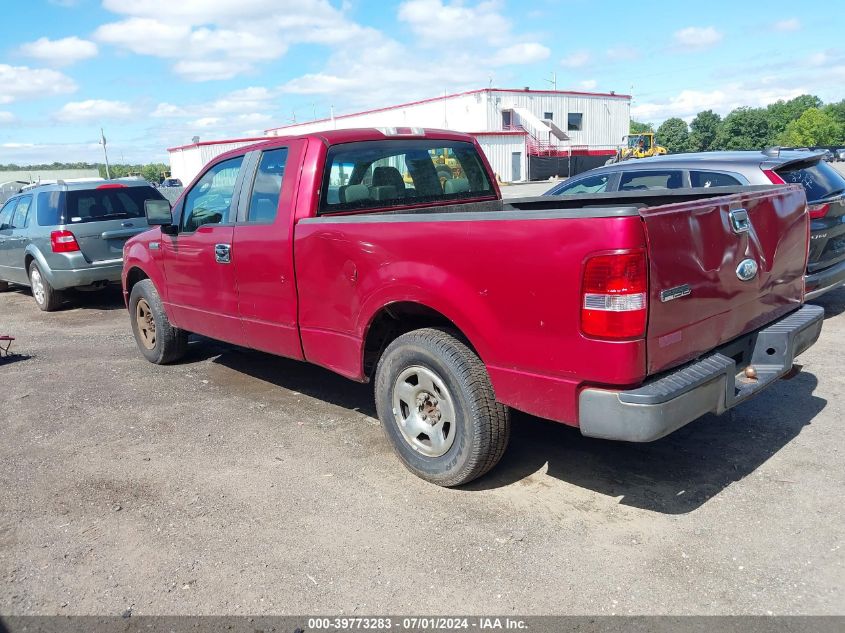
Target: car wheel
<point x="158" y="340"/>
<point x="46" y="297"/>
<point x="4" y="286"/>
<point x="438" y="409"/>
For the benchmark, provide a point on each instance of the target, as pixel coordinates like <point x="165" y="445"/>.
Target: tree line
<point x="804" y="121"/>
<point x="150" y="171"/>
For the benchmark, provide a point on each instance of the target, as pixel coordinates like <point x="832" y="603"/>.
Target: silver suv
<point x="69" y="235"/>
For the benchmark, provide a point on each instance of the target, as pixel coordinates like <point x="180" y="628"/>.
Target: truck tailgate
<point x="699" y="253"/>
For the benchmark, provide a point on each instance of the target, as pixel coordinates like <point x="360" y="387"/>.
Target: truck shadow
<point x="674" y="475"/>
<point x="833" y="302"/>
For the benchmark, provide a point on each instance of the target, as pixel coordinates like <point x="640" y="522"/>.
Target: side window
<point x="19" y="217"/>
<point x="574" y="122"/>
<point x="593" y="184"/>
<point x="210" y="200"/>
<point x="48" y="208"/>
<point x="264" y="201"/>
<point x="712" y="179"/>
<point x="6" y="215"/>
<point x="643" y="180"/>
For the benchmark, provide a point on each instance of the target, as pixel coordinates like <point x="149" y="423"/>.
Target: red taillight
<point x="614" y="296"/>
<point x="773" y="177"/>
<point x="818" y="210"/>
<point x="63" y="242"/>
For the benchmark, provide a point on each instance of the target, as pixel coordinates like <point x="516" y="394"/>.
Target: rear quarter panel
<point x="511" y="285"/>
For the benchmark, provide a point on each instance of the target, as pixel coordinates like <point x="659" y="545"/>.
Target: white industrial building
<point x="525" y="134"/>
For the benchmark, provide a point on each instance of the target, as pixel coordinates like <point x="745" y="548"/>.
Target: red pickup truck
<point x="390" y="256"/>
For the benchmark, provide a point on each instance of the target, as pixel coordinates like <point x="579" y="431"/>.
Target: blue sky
<point x="154" y="73"/>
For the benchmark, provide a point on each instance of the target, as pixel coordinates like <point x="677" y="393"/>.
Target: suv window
<point x="210" y="200"/>
<point x="6" y="214"/>
<point x="593" y="184"/>
<point x="19" y="217"/>
<point x="264" y="201"/>
<point x="401" y="172"/>
<point x="106" y="202"/>
<point x="819" y="179"/>
<point x="48" y="208"/>
<point x="654" y="179"/>
<point x="711" y="179"/>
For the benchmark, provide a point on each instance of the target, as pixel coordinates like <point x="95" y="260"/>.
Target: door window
<point x="593" y="184"/>
<point x="264" y="201"/>
<point x="210" y="200"/>
<point x="712" y="179"/>
<point x="19" y="217"/>
<point x="6" y="215"/>
<point x="645" y="180"/>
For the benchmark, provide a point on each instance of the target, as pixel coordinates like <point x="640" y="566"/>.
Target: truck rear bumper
<point x="712" y="384"/>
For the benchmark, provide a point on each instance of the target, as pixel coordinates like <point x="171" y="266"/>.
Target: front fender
<point x="143" y="257"/>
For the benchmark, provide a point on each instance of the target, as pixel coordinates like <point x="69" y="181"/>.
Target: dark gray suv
<point x="69" y="235"/>
<point x="823" y="185"/>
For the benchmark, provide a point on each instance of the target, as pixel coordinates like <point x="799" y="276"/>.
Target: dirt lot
<point x="239" y="483"/>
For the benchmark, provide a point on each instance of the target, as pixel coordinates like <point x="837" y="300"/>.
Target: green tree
<point x="637" y="127"/>
<point x="744" y="128"/>
<point x="703" y="131"/>
<point x="781" y="113"/>
<point x="813" y="128"/>
<point x="837" y="111"/>
<point x="673" y="134"/>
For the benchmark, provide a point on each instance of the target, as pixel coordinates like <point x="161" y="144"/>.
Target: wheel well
<point x="133" y="277"/>
<point x="27" y="261"/>
<point x="397" y="319"/>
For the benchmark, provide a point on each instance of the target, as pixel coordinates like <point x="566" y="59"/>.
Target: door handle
<point x="223" y="253"/>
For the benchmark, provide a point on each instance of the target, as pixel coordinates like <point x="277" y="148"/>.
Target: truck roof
<point x="355" y="135"/>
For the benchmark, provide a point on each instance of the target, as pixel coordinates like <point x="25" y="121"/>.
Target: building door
<point x="516" y="166"/>
<point x="506" y="119"/>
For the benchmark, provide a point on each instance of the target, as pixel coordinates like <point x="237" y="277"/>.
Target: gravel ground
<point x="239" y="483"/>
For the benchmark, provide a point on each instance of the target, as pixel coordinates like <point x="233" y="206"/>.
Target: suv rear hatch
<point x="103" y="218"/>
<point x="703" y="289"/>
<point x="825" y="189"/>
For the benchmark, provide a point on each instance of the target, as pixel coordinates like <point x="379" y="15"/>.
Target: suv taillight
<point x="614" y="296"/>
<point x="773" y="177"/>
<point x="63" y="242"/>
<point x="818" y="210"/>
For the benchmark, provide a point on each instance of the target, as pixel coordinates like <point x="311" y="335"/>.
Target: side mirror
<point x="158" y="213"/>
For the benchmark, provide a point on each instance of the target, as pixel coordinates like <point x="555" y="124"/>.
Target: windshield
<point x="109" y="203"/>
<point x="819" y="179"/>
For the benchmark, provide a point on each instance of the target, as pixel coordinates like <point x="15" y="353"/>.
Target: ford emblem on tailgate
<point x="747" y="270"/>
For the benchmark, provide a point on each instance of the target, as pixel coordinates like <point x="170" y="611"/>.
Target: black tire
<point x="169" y="343"/>
<point x="46" y="297"/>
<point x="4" y="286"/>
<point x="481" y="425"/>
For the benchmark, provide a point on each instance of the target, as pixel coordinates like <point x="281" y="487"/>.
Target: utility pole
<point x="105" y="153"/>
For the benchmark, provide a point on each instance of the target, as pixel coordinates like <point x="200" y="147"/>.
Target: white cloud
<point x="622" y="53"/>
<point x="696" y="38"/>
<point x="6" y="118"/>
<point x="437" y="21"/>
<point x="688" y="103"/>
<point x="22" y="82"/>
<point x="576" y="59"/>
<point x="94" y="110"/>
<point x="524" y="53"/>
<point x="588" y="84"/>
<point x="208" y="121"/>
<point x="219" y="39"/>
<point x="787" y="26"/>
<point x="63" y="52"/>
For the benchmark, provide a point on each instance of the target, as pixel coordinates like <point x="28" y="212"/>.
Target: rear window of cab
<point x="396" y="173"/>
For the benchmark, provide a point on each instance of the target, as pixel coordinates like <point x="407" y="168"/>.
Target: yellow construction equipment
<point x="638" y="146"/>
